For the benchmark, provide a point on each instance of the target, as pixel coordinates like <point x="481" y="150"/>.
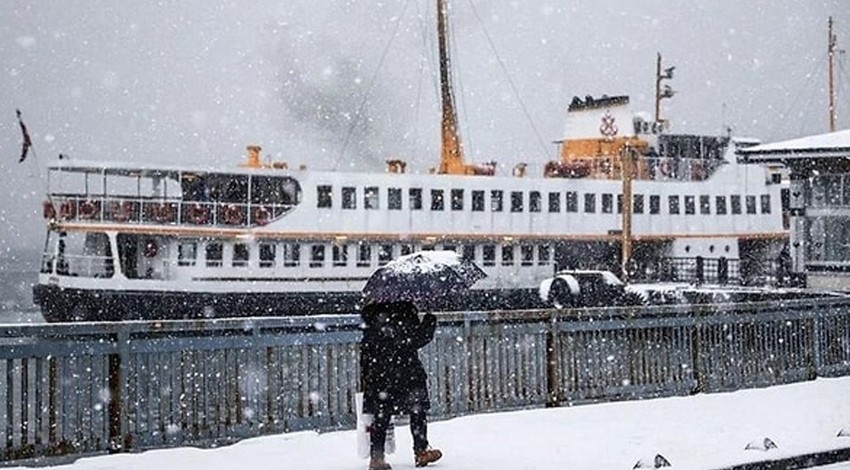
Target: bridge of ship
<point x="161" y="196"/>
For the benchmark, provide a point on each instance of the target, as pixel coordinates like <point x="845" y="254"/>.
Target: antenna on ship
<point x="662" y="92"/>
<point x="831" y="57"/>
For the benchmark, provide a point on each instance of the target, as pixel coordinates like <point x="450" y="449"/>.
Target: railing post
<point x="118" y="440"/>
<point x="554" y="396"/>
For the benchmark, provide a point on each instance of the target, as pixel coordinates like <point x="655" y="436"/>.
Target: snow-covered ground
<point x="697" y="432"/>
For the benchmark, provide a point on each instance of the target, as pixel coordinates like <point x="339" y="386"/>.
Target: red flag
<point x="25" y="147"/>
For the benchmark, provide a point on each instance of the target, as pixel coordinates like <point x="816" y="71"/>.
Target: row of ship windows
<point x="570" y="202"/>
<point x="338" y="254"/>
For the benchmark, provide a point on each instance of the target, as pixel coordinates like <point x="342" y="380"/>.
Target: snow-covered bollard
<point x="653" y="462"/>
<point x="765" y="445"/>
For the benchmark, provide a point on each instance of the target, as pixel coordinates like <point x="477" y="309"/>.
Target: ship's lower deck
<point x="60" y="304"/>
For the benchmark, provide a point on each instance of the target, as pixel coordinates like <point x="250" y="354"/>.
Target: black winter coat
<point x="394" y="380"/>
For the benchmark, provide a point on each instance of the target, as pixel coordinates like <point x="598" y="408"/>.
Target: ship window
<point x="291" y="254"/>
<point x="765" y="203"/>
<point x="415" y="195"/>
<point x="543" y="255"/>
<point x="720" y="205"/>
<point x="507" y="255"/>
<point x="516" y="201"/>
<point x="496" y="200"/>
<point x="450" y="248"/>
<point x="406" y="249"/>
<point x="735" y="202"/>
<point x="394" y="199"/>
<point x="638" y="204"/>
<point x="370" y="197"/>
<point x="619" y="203"/>
<point x="229" y="188"/>
<point x="274" y="190"/>
<point x="488" y="255"/>
<point x="241" y="254"/>
<point x="690" y="205"/>
<point x="267" y="255"/>
<point x="468" y="252"/>
<point x="526" y="253"/>
<point x="535" y="201"/>
<point x="607" y="203"/>
<point x="751" y="204"/>
<point x="437" y="203"/>
<point x="364" y="255"/>
<point x="340" y="255"/>
<point x="349" y="198"/>
<point x="187" y="253"/>
<point x="673" y="202"/>
<point x="704" y="204"/>
<point x="324" y="199"/>
<point x="554" y="202"/>
<point x="654" y="204"/>
<point x="457" y="199"/>
<point x="589" y="202"/>
<point x="832" y="188"/>
<point x="572" y="202"/>
<point x="385" y="254"/>
<point x="214" y="255"/>
<point x="317" y="256"/>
<point x="477" y="201"/>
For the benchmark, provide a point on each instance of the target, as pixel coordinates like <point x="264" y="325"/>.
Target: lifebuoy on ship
<point x="232" y="215"/>
<point x="88" y="209"/>
<point x="66" y="210"/>
<point x="666" y="167"/>
<point x="162" y="213"/>
<point x="48" y="210"/>
<point x="198" y="214"/>
<point x="262" y="216"/>
<point x="121" y="211"/>
<point x="698" y="171"/>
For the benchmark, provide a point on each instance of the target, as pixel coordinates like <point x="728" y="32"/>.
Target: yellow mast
<point x="451" y="156"/>
<point x="831" y="55"/>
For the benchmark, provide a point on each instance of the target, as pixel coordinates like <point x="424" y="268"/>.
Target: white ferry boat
<point x="136" y="241"/>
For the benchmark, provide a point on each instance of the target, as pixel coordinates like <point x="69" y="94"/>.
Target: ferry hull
<point x="67" y="304"/>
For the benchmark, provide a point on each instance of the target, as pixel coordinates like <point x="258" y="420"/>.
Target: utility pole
<point x="662" y="92"/>
<point x="831" y="55"/>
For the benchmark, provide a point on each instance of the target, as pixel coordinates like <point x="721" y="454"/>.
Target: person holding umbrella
<point x="394" y="378"/>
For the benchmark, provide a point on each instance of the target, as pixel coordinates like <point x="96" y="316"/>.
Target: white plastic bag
<point x="364" y="430"/>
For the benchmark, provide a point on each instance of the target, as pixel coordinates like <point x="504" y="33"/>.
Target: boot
<point x="378" y="463"/>
<point x="429" y="455"/>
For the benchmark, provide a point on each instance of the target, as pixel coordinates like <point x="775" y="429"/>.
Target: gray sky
<point x="196" y="80"/>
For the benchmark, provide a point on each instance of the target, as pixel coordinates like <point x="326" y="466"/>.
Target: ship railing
<point x="646" y="168"/>
<point x="163" y="211"/>
<point x="697" y="269"/>
<point x="102" y="267"/>
<point x="85" y="266"/>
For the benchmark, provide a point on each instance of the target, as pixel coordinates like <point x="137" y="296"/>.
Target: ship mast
<point x="831" y="55"/>
<point x="451" y="156"/>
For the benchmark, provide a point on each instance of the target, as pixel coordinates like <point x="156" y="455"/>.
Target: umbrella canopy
<point x="421" y="277"/>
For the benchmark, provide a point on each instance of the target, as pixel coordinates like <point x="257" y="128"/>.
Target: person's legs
<point x="378" y="435"/>
<point x="419" y="430"/>
<point x="423" y="453"/>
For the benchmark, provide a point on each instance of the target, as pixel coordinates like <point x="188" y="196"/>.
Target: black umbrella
<point x="421" y="277"/>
